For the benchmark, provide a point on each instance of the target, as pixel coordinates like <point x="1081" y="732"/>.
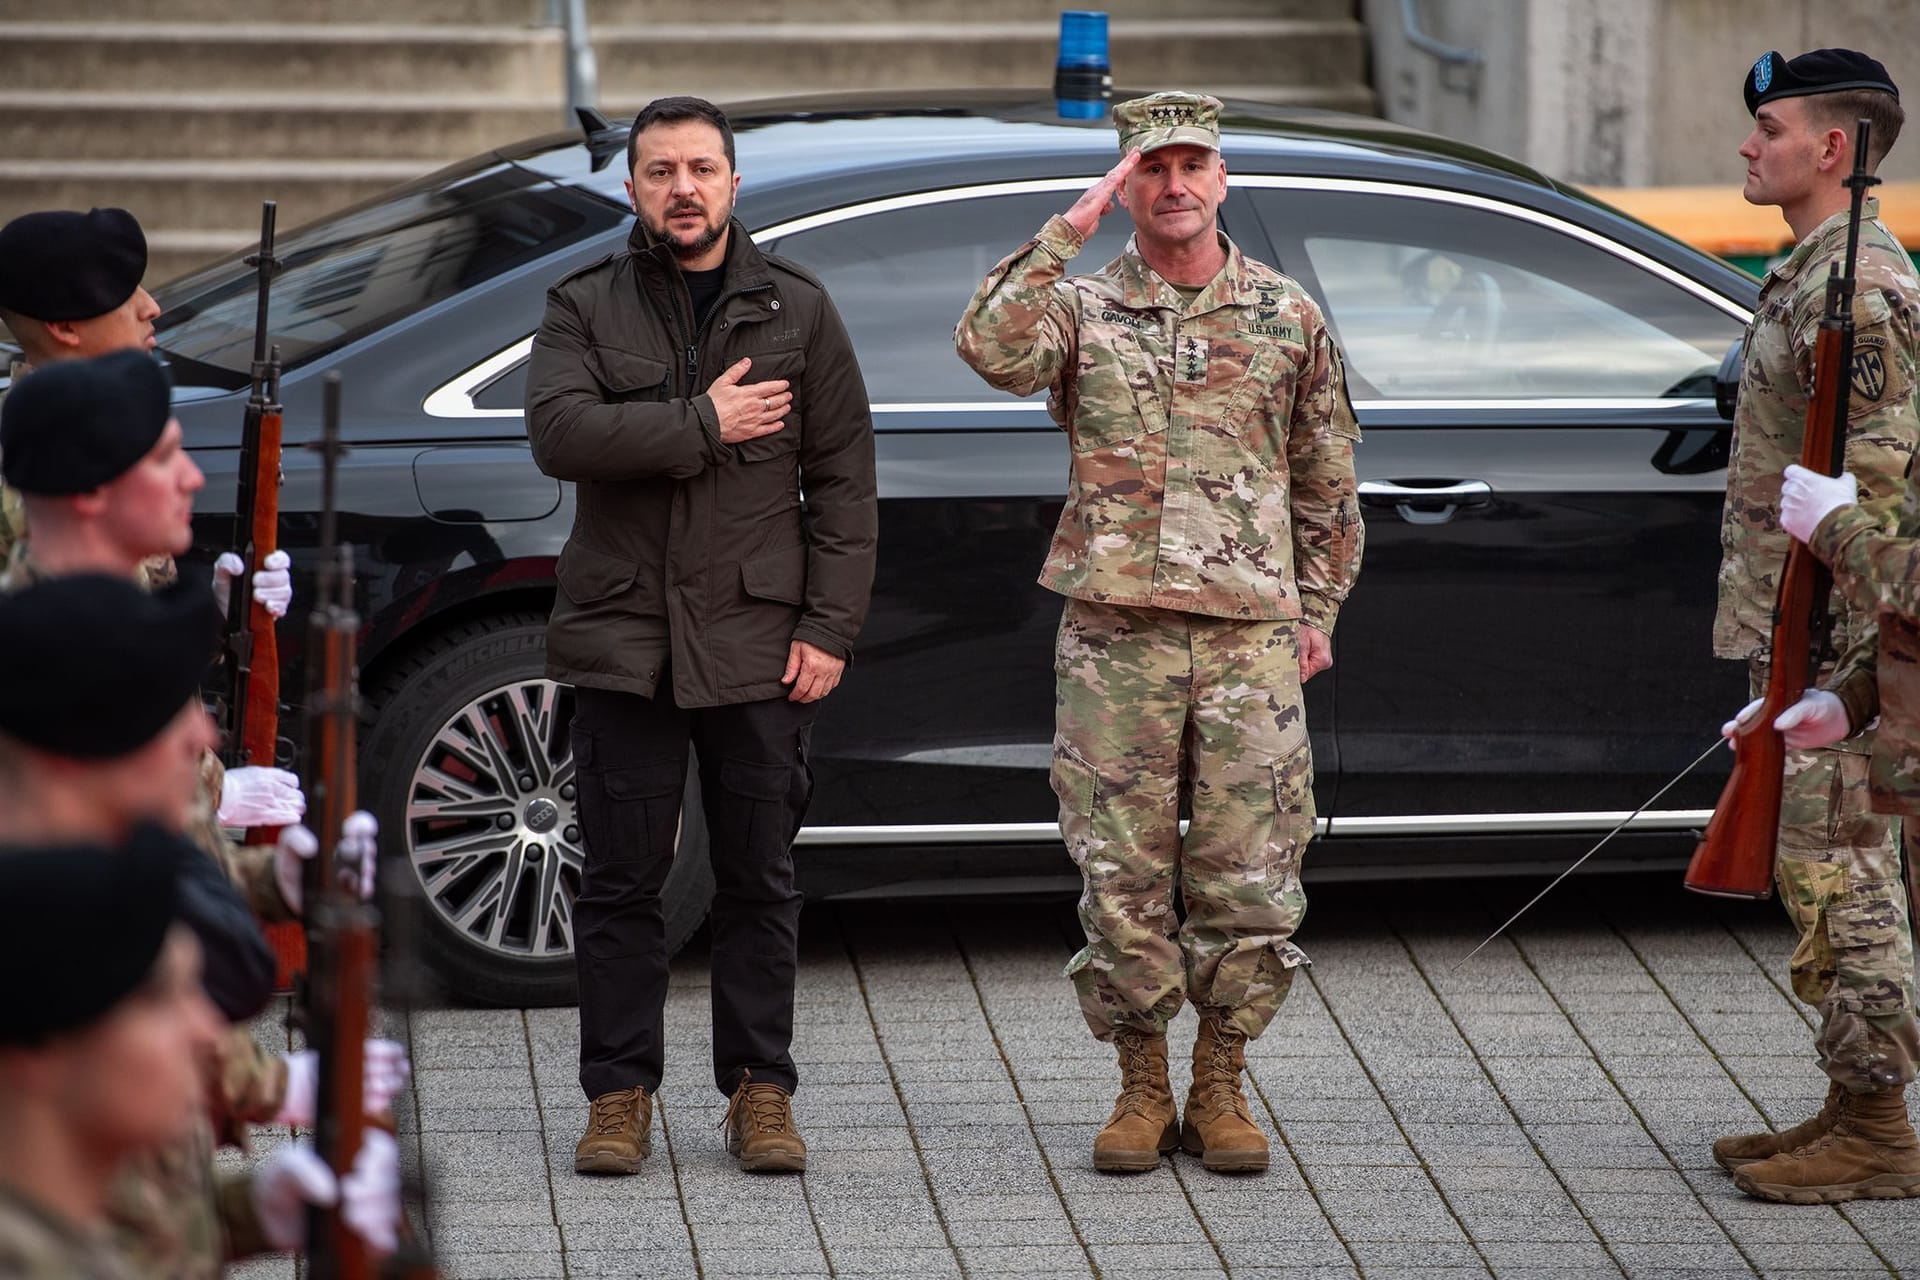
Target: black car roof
<point x="811" y="139"/>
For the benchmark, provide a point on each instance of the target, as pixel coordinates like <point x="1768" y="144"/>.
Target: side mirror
<point x="1726" y="380"/>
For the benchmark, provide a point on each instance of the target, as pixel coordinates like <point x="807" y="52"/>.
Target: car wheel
<point x="468" y="765"/>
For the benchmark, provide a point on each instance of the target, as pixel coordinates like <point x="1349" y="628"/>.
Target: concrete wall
<point x="1625" y="92"/>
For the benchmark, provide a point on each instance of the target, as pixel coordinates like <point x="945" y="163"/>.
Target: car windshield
<point x="370" y="266"/>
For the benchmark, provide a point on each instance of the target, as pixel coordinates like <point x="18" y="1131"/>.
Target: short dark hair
<point x="1882" y="110"/>
<point x="677" y="111"/>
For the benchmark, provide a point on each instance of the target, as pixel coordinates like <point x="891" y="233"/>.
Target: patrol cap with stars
<point x="1821" y="71"/>
<point x="1167" y="119"/>
<point x="96" y="667"/>
<point x="62" y="265"/>
<point x="74" y="425"/>
<point x="81" y="927"/>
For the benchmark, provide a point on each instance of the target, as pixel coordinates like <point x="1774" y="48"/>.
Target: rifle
<point x="1735" y="857"/>
<point x="250" y="711"/>
<point x="340" y="929"/>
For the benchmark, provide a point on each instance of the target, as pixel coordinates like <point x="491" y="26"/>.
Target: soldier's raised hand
<point x="1101" y="198"/>
<point x="749" y="411"/>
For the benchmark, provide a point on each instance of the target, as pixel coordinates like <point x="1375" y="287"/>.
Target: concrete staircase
<point x="189" y="112"/>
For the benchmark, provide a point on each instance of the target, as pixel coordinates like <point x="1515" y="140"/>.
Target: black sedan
<point x="1525" y="658"/>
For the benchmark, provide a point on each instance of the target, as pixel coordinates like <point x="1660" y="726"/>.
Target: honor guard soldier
<point x="70" y="289"/>
<point x="1210" y="534"/>
<point x="1839" y="864"/>
<point x="102" y="731"/>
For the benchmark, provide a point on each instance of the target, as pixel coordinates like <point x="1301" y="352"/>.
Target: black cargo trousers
<point x="630" y="757"/>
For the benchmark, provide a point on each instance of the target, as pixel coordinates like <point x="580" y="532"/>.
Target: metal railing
<point x="1459" y="66"/>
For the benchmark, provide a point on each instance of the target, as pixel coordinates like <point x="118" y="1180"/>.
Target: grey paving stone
<point x="1531" y="1256"/>
<point x="763" y="1262"/>
<point x="504" y="1266"/>
<point x="514" y="1237"/>
<point x="930" y="1263"/>
<point x="1145" y="1261"/>
<point x="994" y="1260"/>
<point x="1005" y="1208"/>
<point x="1697" y="1254"/>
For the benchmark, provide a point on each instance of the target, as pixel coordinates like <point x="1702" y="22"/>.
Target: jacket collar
<point x="746" y="266"/>
<point x="1137" y="286"/>
<point x="1829" y="239"/>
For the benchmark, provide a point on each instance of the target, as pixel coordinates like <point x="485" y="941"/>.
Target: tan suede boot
<point x="1871" y="1153"/>
<point x="1746" y="1148"/>
<point x="760" y="1130"/>
<point x="1144" y="1126"/>
<point x="618" y="1133"/>
<point x="1218" y="1127"/>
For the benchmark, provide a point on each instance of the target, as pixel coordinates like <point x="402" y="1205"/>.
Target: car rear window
<point x="366" y="268"/>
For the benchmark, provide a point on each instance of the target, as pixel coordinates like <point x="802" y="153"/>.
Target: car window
<point x="1431" y="300"/>
<point x="507" y="390"/>
<point x="901" y="278"/>
<point x="363" y="270"/>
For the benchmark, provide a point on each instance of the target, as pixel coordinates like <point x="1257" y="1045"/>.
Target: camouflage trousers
<point x="1153" y="707"/>
<point x="1841" y="878"/>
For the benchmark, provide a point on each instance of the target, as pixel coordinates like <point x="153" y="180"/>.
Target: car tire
<point x="493" y="885"/>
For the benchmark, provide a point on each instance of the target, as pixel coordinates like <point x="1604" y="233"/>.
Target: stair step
<point x="430" y="128"/>
<point x="185" y="194"/>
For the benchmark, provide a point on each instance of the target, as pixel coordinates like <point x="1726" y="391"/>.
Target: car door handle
<point x="1426" y="501"/>
<point x="1456" y="491"/>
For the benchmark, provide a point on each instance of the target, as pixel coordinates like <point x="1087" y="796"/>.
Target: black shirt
<point x="704" y="287"/>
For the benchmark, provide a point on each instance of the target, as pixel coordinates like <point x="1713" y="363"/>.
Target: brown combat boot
<point x="1144" y="1126"/>
<point x="1746" y="1148"/>
<point x="1871" y="1153"/>
<point x="1218" y="1127"/>
<point x="760" y="1132"/>
<point x="617" y="1137"/>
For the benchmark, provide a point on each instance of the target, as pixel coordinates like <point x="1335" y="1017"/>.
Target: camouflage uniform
<point x="1211" y="509"/>
<point x="1839" y="866"/>
<point x="166" y="1207"/>
<point x="35" y="1244"/>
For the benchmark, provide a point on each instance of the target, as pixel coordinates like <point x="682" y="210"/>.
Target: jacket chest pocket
<point x="627" y="376"/>
<point x="1251" y="390"/>
<point x="1119" y="392"/>
<point x="774" y="366"/>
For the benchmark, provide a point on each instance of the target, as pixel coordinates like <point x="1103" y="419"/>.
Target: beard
<point x="690" y="245"/>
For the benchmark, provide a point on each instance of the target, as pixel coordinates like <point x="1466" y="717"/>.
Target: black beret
<point x="61" y="265"/>
<point x="1822" y="71"/>
<point x="81" y="927"/>
<point x="96" y="667"/>
<point x="74" y="425"/>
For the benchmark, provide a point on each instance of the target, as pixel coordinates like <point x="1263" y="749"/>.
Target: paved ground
<point x="1544" y="1111"/>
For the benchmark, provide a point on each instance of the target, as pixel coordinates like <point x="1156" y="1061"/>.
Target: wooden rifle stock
<point x="252" y="705"/>
<point x="1735" y="856"/>
<point x="340" y="929"/>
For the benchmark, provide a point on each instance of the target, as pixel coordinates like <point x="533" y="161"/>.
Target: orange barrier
<point x="1719" y="220"/>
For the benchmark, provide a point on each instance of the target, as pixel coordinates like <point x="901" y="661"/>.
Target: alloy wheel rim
<point x="492" y="829"/>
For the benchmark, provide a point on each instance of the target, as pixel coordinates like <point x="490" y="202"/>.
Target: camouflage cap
<point x="1167" y="119"/>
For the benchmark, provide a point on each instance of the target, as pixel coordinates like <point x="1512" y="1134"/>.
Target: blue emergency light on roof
<point x="1082" y="76"/>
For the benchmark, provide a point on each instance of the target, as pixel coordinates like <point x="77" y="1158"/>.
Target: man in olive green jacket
<point x="689" y="385"/>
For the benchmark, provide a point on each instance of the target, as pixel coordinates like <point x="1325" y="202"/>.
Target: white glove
<point x="1807" y="498"/>
<point x="260" y="796"/>
<point x="293" y="1177"/>
<point x="1819" y="719"/>
<point x="370" y="1194"/>
<point x="385" y="1074"/>
<point x="357" y="858"/>
<point x="272" y="586"/>
<point x="284" y="1184"/>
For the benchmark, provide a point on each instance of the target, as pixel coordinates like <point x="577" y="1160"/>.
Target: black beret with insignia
<point x="1821" y="71"/>
<point x="96" y="667"/>
<point x="61" y="265"/>
<point x="81" y="927"/>
<point x="74" y="425"/>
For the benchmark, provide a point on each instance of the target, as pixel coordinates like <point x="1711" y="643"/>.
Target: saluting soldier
<point x="1839" y="863"/>
<point x="1210" y="534"/>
